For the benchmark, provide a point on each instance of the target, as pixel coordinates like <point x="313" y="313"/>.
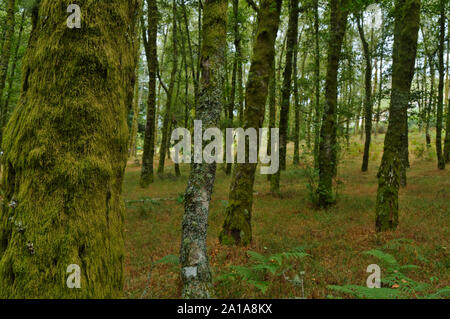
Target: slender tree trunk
<point x="298" y="108"/>
<point x="317" y="111"/>
<point x="165" y="138"/>
<point x="328" y="138"/>
<point x="440" y="101"/>
<point x="195" y="271"/>
<point x="447" y="99"/>
<point x="134" y="124"/>
<point x="407" y="20"/>
<point x="368" y="95"/>
<point x="271" y="100"/>
<point x="150" y="44"/>
<point x="380" y="88"/>
<point x="237" y="228"/>
<point x="65" y="155"/>
<point x="431" y="101"/>
<point x="291" y="44"/>
<point x="14" y="65"/>
<point x="4" y="59"/>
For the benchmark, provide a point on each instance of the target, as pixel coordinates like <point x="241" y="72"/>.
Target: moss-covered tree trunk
<point x="65" y="155"/>
<point x="368" y="94"/>
<point x="150" y="38"/>
<point x="237" y="226"/>
<point x="328" y="132"/>
<point x="167" y="121"/>
<point x="195" y="271"/>
<point x="407" y="19"/>
<point x="440" y="100"/>
<point x="4" y="59"/>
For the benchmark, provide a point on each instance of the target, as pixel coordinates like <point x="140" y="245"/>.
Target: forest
<point x="241" y="149"/>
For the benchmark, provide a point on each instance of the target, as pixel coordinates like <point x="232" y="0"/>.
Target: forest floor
<point x="335" y="239"/>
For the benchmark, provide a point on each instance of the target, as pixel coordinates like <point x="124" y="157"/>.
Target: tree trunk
<point x="291" y="44"/>
<point x="298" y="108"/>
<point x="317" y="110"/>
<point x="407" y="19"/>
<point x="195" y="271"/>
<point x="447" y="98"/>
<point x="237" y="228"/>
<point x="14" y="65"/>
<point x="150" y="44"/>
<point x="440" y="101"/>
<point x="328" y="138"/>
<point x="165" y="138"/>
<point x="4" y="60"/>
<point x="368" y="95"/>
<point x="65" y="155"/>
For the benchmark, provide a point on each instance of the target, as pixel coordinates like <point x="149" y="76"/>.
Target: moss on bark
<point x="65" y="154"/>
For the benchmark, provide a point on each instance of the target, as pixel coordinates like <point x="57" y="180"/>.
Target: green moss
<point x="65" y="153"/>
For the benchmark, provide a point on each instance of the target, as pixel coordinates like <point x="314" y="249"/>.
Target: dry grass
<point x="334" y="238"/>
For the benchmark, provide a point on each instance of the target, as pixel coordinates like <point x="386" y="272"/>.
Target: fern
<point x="275" y="265"/>
<point x="395" y="283"/>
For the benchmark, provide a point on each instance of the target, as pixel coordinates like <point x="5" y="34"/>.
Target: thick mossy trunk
<point x="195" y="271"/>
<point x="407" y="19"/>
<point x="368" y="95"/>
<point x="237" y="226"/>
<point x="4" y="60"/>
<point x="150" y="37"/>
<point x="167" y="121"/>
<point x="328" y="133"/>
<point x="65" y="154"/>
